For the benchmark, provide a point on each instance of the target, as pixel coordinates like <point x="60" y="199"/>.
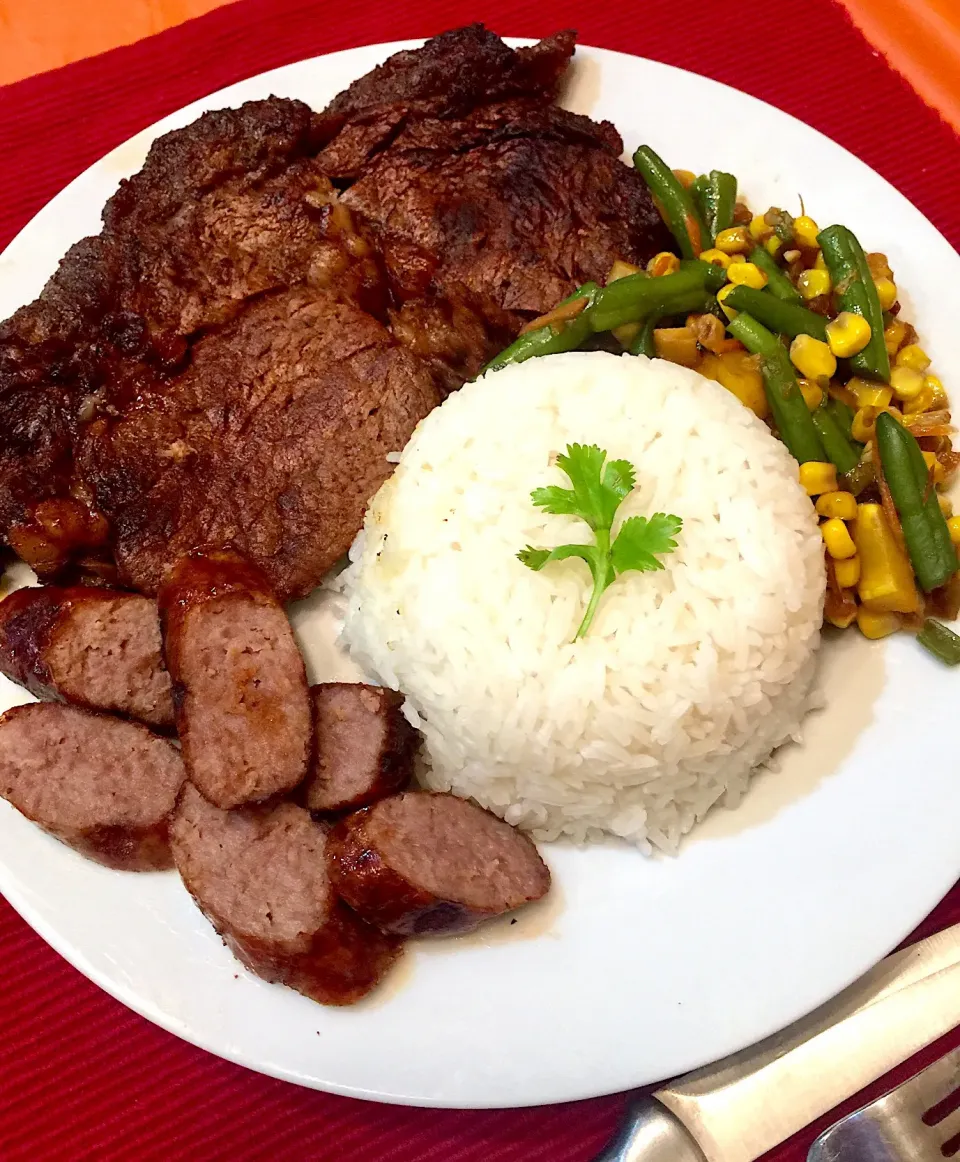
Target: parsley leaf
<point x="599" y="487"/>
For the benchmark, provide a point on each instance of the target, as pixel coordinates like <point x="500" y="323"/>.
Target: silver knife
<point x="741" y="1107"/>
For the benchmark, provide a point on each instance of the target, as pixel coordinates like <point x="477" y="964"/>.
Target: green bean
<point x="840" y="452"/>
<point x="552" y="338"/>
<point x="784" y="318"/>
<point x="790" y="411"/>
<point x="714" y="276"/>
<point x="925" y="531"/>
<point x="634" y="298"/>
<point x="719" y="199"/>
<point x="777" y="282"/>
<point x="942" y="642"/>
<point x="644" y="343"/>
<point x="675" y="203"/>
<point x="860" y="477"/>
<point x="842" y="414"/>
<point x="855" y="287"/>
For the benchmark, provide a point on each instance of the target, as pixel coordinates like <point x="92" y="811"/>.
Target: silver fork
<point x="913" y="1123"/>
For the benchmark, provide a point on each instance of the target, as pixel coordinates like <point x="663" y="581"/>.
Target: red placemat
<point x="81" y="1078"/>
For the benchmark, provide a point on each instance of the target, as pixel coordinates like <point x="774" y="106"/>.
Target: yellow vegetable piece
<point x="842" y="505"/>
<point x="759" y="228"/>
<point x="820" y="263"/>
<point x="907" y="382"/>
<point x="865" y="422"/>
<point x="721" y="295"/>
<point x="817" y="477"/>
<point x="812" y="358"/>
<point x="626" y="334"/>
<point x="805" y="230"/>
<point x="840" y="611"/>
<point x="812" y="283"/>
<point x="921" y="402"/>
<point x="716" y="257"/>
<point x="663" y="263"/>
<point x="934" y="465"/>
<point x="946" y="505"/>
<point x="621" y="269"/>
<point x="886" y="584"/>
<point x="847" y="572"/>
<point x="869" y="394"/>
<point x="953" y="524"/>
<point x="837" y="539"/>
<point x="812" y="393"/>
<point x="738" y="372"/>
<point x="735" y="240"/>
<point x="747" y="274"/>
<point x="893" y="335"/>
<point x="678" y="344"/>
<point x="935" y="384"/>
<point x="886" y="292"/>
<point x="847" y="334"/>
<point x="773" y="246"/>
<point x="685" y="177"/>
<point x="913" y="355"/>
<point x="876" y="625"/>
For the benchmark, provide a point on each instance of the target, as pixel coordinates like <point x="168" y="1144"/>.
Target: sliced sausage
<point x="363" y="746"/>
<point x="425" y="863"/>
<point x="259" y="875"/>
<point x="103" y="785"/>
<point x="97" y="648"/>
<point x="240" y="688"/>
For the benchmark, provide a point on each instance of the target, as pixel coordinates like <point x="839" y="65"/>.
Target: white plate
<point x="635" y="969"/>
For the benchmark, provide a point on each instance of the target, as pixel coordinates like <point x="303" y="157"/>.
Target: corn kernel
<point x="886" y="292"/>
<point x="663" y="263"/>
<point x="817" y="477"/>
<point x="893" y="335"/>
<point x="877" y="625"/>
<point x="932" y="463"/>
<point x="946" y="505"/>
<point x="864" y="423"/>
<point x="935" y="384"/>
<point x="953" y="524"/>
<point x="913" y="355"/>
<point x="715" y="257"/>
<point x="747" y="274"/>
<point x="841" y="505"/>
<point x="812" y="283"/>
<point x="721" y="295"/>
<point x="812" y="358"/>
<point x="773" y="246"/>
<point x="820" y="262"/>
<point x="836" y="536"/>
<point x="847" y="572"/>
<point x="759" y="228"/>
<point x="685" y="177"/>
<point x="869" y="394"/>
<point x="907" y="383"/>
<point x="812" y="393"/>
<point x="921" y="402"/>
<point x="735" y="240"/>
<point x="847" y="334"/>
<point x="805" y="230"/>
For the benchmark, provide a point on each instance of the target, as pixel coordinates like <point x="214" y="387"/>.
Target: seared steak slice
<point x="450" y="75"/>
<point x="516" y="202"/>
<point x="272" y="441"/>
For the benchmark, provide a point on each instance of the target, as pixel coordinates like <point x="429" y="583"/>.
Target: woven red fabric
<point x="81" y="1078"/>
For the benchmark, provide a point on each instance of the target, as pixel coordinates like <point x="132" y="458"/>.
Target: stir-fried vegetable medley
<point x="805" y="329"/>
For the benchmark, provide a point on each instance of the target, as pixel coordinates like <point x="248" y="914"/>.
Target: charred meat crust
<point x="235" y="865"/>
<point x="239" y="682"/>
<point x="117" y="673"/>
<point x="107" y="788"/>
<point x="433" y="895"/>
<point x="364" y="748"/>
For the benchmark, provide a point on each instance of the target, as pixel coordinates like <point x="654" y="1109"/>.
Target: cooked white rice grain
<point x="689" y="677"/>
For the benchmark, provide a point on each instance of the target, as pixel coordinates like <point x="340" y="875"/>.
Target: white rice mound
<point x="688" y="678"/>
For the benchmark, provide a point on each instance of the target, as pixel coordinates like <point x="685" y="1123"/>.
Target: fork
<point x="919" y="1121"/>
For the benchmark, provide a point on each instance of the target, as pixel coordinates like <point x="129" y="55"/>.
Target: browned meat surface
<point x="104" y="786"/>
<point x="273" y="441"/>
<point x="240" y="688"/>
<point x="425" y="864"/>
<point x="516" y="203"/>
<point x="363" y="749"/>
<point x="450" y="75"/>
<point x="259" y="876"/>
<point x="96" y="648"/>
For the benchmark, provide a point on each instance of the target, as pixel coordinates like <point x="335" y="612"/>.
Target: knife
<point x="746" y="1104"/>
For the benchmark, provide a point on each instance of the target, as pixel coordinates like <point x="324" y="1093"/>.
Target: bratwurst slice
<point x="426" y="863"/>
<point x="259" y="876"/>
<point x="104" y="786"/>
<point x="240" y="687"/>
<point x="96" y="648"/>
<point x="363" y="746"/>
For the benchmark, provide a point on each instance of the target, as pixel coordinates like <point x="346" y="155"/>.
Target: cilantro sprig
<point x="599" y="488"/>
